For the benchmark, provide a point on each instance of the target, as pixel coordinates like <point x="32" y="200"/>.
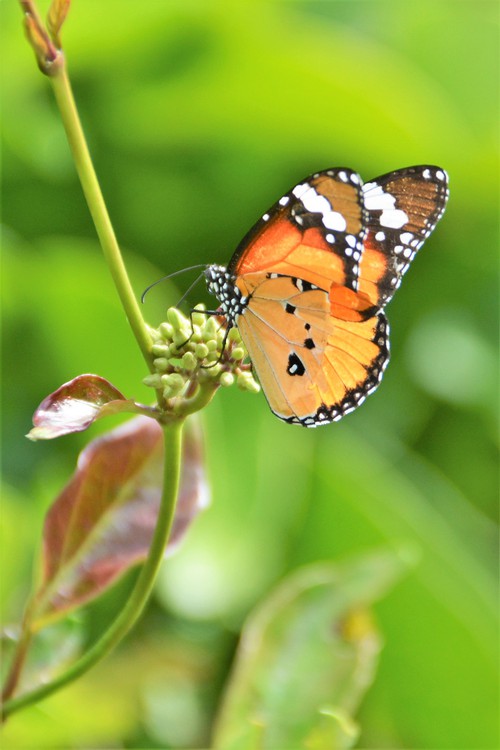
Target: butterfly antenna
<point x="171" y="275"/>
<point x="191" y="286"/>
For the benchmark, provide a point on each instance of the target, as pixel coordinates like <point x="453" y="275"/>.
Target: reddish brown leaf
<point x="75" y="405"/>
<point x="56" y="17"/>
<point x="45" y="51"/>
<point x="102" y="522"/>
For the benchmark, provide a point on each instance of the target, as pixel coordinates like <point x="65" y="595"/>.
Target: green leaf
<point x="306" y="657"/>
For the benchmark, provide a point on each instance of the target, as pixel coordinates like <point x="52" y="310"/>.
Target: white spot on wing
<point x="334" y="220"/>
<point x="318" y="204"/>
<point x="299" y="190"/>
<point x="377" y="200"/>
<point x="393" y="218"/>
<point x="315" y="203"/>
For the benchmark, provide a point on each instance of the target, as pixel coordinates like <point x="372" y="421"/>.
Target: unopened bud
<point x="238" y="353"/>
<point x="152" y="381"/>
<point x="189" y="361"/>
<point x="166" y="330"/>
<point x="161" y="364"/>
<point x="201" y="351"/>
<point x="246" y="382"/>
<point x="174" y="381"/>
<point x="226" y="379"/>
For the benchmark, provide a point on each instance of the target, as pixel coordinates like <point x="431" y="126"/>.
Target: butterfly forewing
<point x="314" y="232"/>
<point x="403" y="208"/>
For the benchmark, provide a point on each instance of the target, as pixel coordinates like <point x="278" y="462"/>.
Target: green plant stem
<point x="79" y="149"/>
<point x="140" y="595"/>
<point x="202" y="398"/>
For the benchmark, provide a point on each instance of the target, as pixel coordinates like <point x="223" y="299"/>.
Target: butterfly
<point x="308" y="285"/>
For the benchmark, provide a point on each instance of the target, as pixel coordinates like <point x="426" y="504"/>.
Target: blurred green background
<point x="199" y="115"/>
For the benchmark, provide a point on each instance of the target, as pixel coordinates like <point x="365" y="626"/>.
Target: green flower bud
<point x="177" y="319"/>
<point x="201" y="351"/>
<point x="181" y="338"/>
<point x="166" y="330"/>
<point x="210" y="329"/>
<point x="161" y="364"/>
<point x="238" y="353"/>
<point x="226" y="379"/>
<point x="196" y="335"/>
<point x="154" y="333"/>
<point x="174" y="381"/>
<point x="213" y="371"/>
<point x="160" y="350"/>
<point x="189" y="361"/>
<point x="246" y="382"/>
<point x="189" y="352"/>
<point x="234" y="335"/>
<point x="199" y="318"/>
<point x="152" y="381"/>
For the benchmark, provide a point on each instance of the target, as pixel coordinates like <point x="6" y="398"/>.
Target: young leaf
<point x="56" y="17"/>
<point x="75" y="405"/>
<point x="46" y="54"/>
<point x="305" y="659"/>
<point x="102" y="522"/>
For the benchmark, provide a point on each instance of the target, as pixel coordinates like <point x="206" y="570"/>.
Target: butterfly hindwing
<point x="403" y="208"/>
<point x="314" y="368"/>
<point x="314" y="232"/>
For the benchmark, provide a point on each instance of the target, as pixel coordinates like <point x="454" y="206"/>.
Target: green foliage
<point x="305" y="659"/>
<point x="199" y="115"/>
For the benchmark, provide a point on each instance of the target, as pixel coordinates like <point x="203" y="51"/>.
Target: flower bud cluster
<point x="189" y="352"/>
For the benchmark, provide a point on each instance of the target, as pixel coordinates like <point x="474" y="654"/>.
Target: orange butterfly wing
<point x="307" y="285"/>
<point x="313" y="367"/>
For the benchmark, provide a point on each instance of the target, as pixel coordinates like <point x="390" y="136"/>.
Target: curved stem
<point x="140" y="595"/>
<point x="79" y="149"/>
<point x="202" y="398"/>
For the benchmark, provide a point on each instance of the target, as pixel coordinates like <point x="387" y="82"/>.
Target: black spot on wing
<point x="295" y="365"/>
